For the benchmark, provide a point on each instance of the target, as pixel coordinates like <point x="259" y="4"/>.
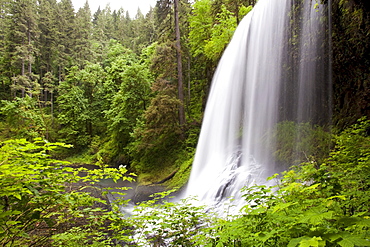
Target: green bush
<point x="313" y="204"/>
<point x="41" y="197"/>
<point x="22" y="118"/>
<point x="80" y="237"/>
<point x="294" y="143"/>
<point x="168" y="223"/>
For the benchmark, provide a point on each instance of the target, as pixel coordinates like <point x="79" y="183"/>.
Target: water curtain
<point x="275" y="70"/>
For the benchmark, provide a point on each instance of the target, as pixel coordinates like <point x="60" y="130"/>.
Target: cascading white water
<point x="273" y="70"/>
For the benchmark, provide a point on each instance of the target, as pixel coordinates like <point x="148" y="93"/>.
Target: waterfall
<point x="275" y="69"/>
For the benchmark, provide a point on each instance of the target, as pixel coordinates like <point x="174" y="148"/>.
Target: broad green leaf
<point x="312" y="242"/>
<point x="350" y="241"/>
<point x="316" y="216"/>
<point x="18" y="196"/>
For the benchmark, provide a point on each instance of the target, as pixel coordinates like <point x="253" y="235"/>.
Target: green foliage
<point x="313" y="204"/>
<point x="22" y="34"/>
<point x="126" y="95"/>
<point x="90" y="79"/>
<point x="74" y="115"/>
<point x="115" y="51"/>
<point x="80" y="105"/>
<point x="243" y="11"/>
<point x="41" y="195"/>
<point x="210" y="34"/>
<point x="200" y="26"/>
<point x="129" y="102"/>
<point x="184" y="162"/>
<point x="159" y="134"/>
<point x="221" y="34"/>
<point x="349" y="167"/>
<point x="168" y="223"/>
<point x="80" y="237"/>
<point x="105" y="104"/>
<point x="298" y="142"/>
<point x="22" y="118"/>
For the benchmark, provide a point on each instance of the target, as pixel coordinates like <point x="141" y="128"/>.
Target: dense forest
<point x="130" y="92"/>
<point x="125" y="90"/>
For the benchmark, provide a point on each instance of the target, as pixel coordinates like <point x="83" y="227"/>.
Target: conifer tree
<point x="96" y="17"/>
<point x="123" y="25"/>
<point x="168" y="16"/>
<point x="66" y="29"/>
<point x="104" y="26"/>
<point x="48" y="24"/>
<point x="83" y="36"/>
<point x="138" y="32"/>
<point x="180" y="87"/>
<point x="150" y="26"/>
<point x="4" y="68"/>
<point x="23" y="37"/>
<point x="48" y="49"/>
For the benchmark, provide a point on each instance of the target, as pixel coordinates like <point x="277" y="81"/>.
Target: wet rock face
<point x="143" y="192"/>
<point x="136" y="193"/>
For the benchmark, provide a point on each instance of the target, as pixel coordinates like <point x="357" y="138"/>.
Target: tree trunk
<point x="29" y="52"/>
<point x="179" y="65"/>
<point x="237" y="12"/>
<point x="52" y="108"/>
<point x="23" y="73"/>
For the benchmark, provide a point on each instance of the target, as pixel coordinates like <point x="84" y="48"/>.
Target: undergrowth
<point x="316" y="203"/>
<point x="313" y="204"/>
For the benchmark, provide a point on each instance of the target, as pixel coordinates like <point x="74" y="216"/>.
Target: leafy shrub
<point x="168" y="223"/>
<point x="22" y="118"/>
<point x="158" y="137"/>
<point x="80" y="237"/>
<point x="41" y="196"/>
<point x="315" y="204"/>
<point x="297" y="142"/>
